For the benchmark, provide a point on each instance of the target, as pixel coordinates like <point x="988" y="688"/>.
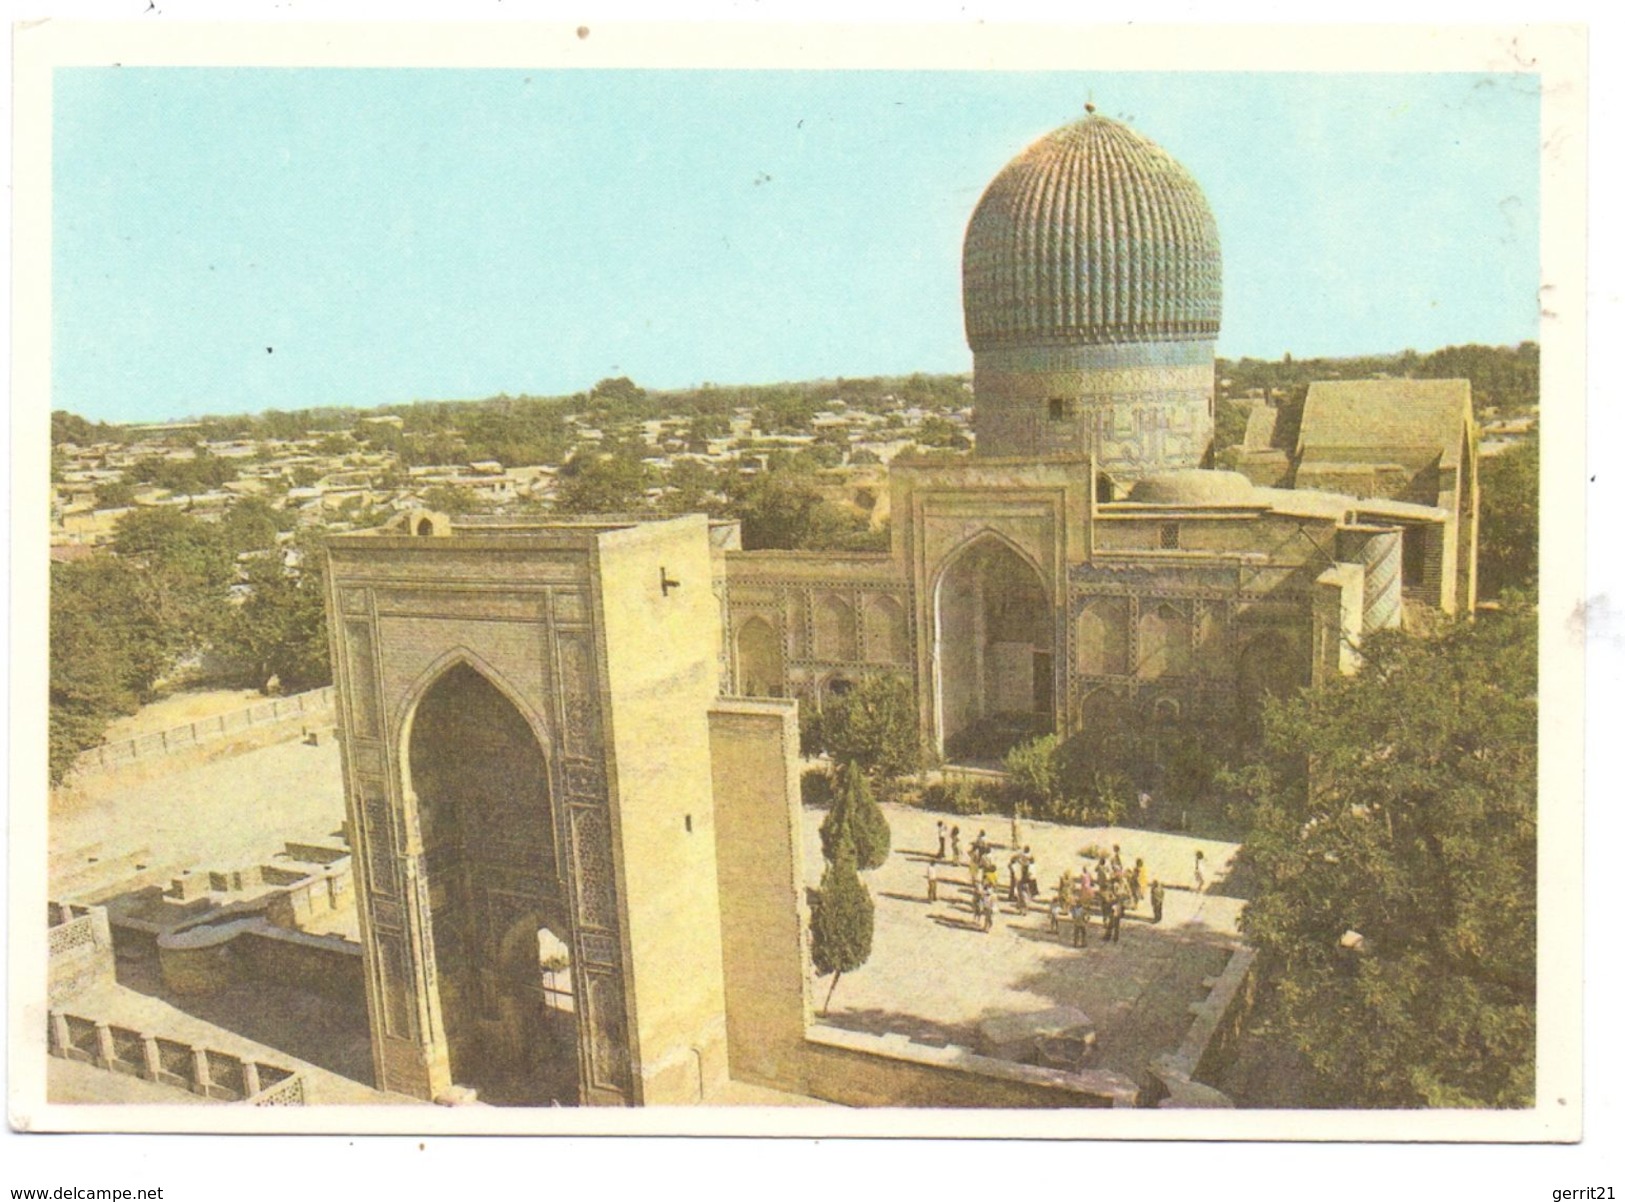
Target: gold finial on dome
<point x="1089" y="108"/>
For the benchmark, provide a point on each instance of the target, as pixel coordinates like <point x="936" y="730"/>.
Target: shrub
<point x="817" y="790"/>
<point x="958" y="795"/>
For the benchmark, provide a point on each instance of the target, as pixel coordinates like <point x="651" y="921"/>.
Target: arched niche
<point x="885" y="631"/>
<point x="1268" y="667"/>
<point x="476" y="772"/>
<point x="993" y="649"/>
<point x="1102" y="637"/>
<point x="760" y="657"/>
<point x="835" y="629"/>
<point x="1165" y="642"/>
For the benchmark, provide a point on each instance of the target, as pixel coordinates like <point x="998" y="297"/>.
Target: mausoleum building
<point x="578" y="736"/>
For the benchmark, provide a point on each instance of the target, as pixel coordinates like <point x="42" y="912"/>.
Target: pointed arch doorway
<point x="993" y="650"/>
<point x="498" y="912"/>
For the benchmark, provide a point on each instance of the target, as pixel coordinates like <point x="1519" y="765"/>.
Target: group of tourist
<point x="1110" y="886"/>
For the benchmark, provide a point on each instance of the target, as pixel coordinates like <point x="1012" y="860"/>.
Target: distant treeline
<point x="530" y="429"/>
<point x="1505" y="379"/>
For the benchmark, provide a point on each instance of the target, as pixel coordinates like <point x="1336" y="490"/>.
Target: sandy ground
<point x="218" y="815"/>
<point x="181" y="708"/>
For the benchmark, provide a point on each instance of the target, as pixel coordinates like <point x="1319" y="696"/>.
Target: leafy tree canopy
<point x="783" y="509"/>
<point x="280" y="629"/>
<point x="1393" y="833"/>
<point x="594" y="483"/>
<point x="874" y="725"/>
<point x="1509" y="519"/>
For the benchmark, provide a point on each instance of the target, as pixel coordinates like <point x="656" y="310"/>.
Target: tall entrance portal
<point x="995" y="639"/>
<point x="529" y="799"/>
<point x="498" y="911"/>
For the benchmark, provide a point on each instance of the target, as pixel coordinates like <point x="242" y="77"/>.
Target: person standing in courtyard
<point x="1114" y="925"/>
<point x="942" y="840"/>
<point x="1136" y="882"/>
<point x="931" y="880"/>
<point x="1201" y="879"/>
<point x="1156" y="901"/>
<point x="1055" y="913"/>
<point x="1080" y="924"/>
<point x="954" y="837"/>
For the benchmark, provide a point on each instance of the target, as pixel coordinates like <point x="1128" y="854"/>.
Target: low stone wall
<point x="200" y="1070"/>
<point x="1215" y="1025"/>
<point x="79" y="943"/>
<point x="274" y="720"/>
<point x="208" y="958"/>
<point x="857" y="1069"/>
<point x="307" y="897"/>
<point x="327" y="965"/>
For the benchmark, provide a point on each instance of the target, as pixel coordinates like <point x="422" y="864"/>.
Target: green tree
<point x="776" y="512"/>
<point x="855" y="815"/>
<point x="451" y="499"/>
<point x="705" y="427"/>
<point x="691" y="488"/>
<point x="111" y="638"/>
<point x="1393" y="833"/>
<point x="115" y="494"/>
<point x="620" y="388"/>
<point x="1033" y="778"/>
<point x="939" y="432"/>
<point x="593" y="483"/>
<point x="875" y="725"/>
<point x="1229" y="424"/>
<point x="1509" y="519"/>
<point x="280" y="630"/>
<point x="70" y="427"/>
<point x="188" y="566"/>
<point x="252" y="524"/>
<point x="843" y="917"/>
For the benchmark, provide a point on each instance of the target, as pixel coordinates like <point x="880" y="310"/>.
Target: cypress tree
<point x="856" y="812"/>
<point x="843" y="917"/>
<point x="871" y="834"/>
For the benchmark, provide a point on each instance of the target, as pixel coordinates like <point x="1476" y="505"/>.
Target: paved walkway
<point x="933" y="975"/>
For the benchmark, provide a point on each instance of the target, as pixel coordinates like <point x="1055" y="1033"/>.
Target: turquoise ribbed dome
<point x="1093" y="234"/>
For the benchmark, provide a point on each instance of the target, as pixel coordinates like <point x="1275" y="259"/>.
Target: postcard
<point x="817" y="580"/>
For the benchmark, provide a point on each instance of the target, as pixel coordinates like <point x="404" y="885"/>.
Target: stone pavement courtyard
<point x="934" y="976"/>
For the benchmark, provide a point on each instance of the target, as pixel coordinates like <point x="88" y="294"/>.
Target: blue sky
<point x="393" y="235"/>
